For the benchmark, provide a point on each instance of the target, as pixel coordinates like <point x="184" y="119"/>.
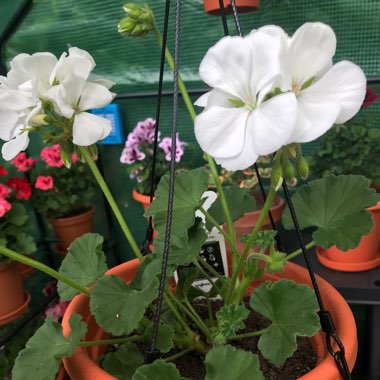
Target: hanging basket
<point x="82" y="364"/>
<point x="212" y="7"/>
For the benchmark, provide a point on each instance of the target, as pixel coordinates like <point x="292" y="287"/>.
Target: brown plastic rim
<point x="82" y="364"/>
<point x="143" y="199"/>
<point x="10" y="317"/>
<point x="212" y="6"/>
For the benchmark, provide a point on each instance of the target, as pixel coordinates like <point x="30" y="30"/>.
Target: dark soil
<point x="303" y="360"/>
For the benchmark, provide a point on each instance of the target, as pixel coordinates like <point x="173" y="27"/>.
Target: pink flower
<point x="50" y="288"/>
<point x="57" y="310"/>
<point x="21" y="187"/>
<point x="74" y="158"/>
<point x="166" y="146"/>
<point x="130" y="155"/>
<point x="144" y="131"/>
<point x="52" y="156"/>
<point x="22" y="163"/>
<point x="3" y="171"/>
<point x="44" y="182"/>
<point x="4" y="206"/>
<point x="370" y="97"/>
<point x="4" y="191"/>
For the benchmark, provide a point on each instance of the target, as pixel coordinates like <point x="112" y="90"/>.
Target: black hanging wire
<point x="153" y="353"/>
<point x="256" y="168"/>
<point x="326" y="320"/>
<point x="149" y="231"/>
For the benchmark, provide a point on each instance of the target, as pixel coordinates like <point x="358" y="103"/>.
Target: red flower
<point x="44" y="182"/>
<point x="22" y="163"/>
<point x="370" y="97"/>
<point x="21" y="187"/>
<point x="4" y="191"/>
<point x="4" y="207"/>
<point x="3" y="171"/>
<point x="52" y="156"/>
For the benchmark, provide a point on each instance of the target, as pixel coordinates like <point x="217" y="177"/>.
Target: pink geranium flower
<point x="144" y="131"/>
<point x="22" y="163"/>
<point x="4" y="191"/>
<point x="370" y="97"/>
<point x="166" y="146"/>
<point x="5" y="206"/>
<point x="44" y="182"/>
<point x="57" y="310"/>
<point x="21" y="187"/>
<point x="3" y="171"/>
<point x="52" y="156"/>
<point x="130" y="155"/>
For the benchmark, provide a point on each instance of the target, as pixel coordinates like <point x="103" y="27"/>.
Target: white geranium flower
<point x="326" y="94"/>
<point x="237" y="125"/>
<point x="20" y="137"/>
<point x="72" y="98"/>
<point x="78" y="62"/>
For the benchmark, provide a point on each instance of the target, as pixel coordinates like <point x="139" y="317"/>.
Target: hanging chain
<point x="144" y="249"/>
<point x="153" y="353"/>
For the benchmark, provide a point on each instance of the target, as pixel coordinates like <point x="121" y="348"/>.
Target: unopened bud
<point x="277" y="177"/>
<point x="302" y="167"/>
<point x="38" y="120"/>
<point x="139" y="21"/>
<point x="65" y="156"/>
<point x="93" y="150"/>
<point x="289" y="171"/>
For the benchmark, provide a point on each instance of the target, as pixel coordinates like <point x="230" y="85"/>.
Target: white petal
<point x="221" y="131"/>
<point x="272" y="123"/>
<point x="320" y="112"/>
<point x="214" y="98"/>
<point x="104" y="82"/>
<point x="246" y="158"/>
<point x="88" y="129"/>
<point x="345" y="83"/>
<point x="311" y="49"/>
<point x="14" y="100"/>
<point x="202" y="101"/>
<point x="13" y="147"/>
<point x="80" y="53"/>
<point x="94" y="96"/>
<point x="8" y="123"/>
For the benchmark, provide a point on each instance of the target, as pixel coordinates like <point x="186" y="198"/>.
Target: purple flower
<point x="166" y="146"/>
<point x="130" y="155"/>
<point x="132" y="140"/>
<point x="144" y="131"/>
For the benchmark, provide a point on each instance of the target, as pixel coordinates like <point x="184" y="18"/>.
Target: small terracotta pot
<point x="24" y="269"/>
<point x="213" y="7"/>
<point x="68" y="229"/>
<point x="13" y="300"/>
<point x="365" y="256"/>
<point x="62" y="375"/>
<point x="82" y="364"/>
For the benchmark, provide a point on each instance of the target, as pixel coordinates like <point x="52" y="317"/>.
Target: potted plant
<point x="116" y="307"/>
<point x="63" y="195"/>
<point x="353" y="147"/>
<point x="138" y="155"/>
<point x="14" y="234"/>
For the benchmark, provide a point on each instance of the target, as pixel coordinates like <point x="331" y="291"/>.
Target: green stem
<point x="43" y="268"/>
<point x="212" y="270"/>
<point x="190" y="108"/>
<point x="201" y="325"/>
<point x="210" y="280"/>
<point x="99" y="178"/>
<point x="260" y="256"/>
<point x="209" y="308"/>
<point x="264" y="212"/>
<point x="250" y="334"/>
<point x="299" y="251"/>
<point x="134" y="338"/>
<point x="176" y="356"/>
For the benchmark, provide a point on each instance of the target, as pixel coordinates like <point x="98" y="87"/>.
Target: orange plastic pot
<point x="13" y="299"/>
<point x="24" y="269"/>
<point x="68" y="229"/>
<point x="365" y="256"/>
<point x="82" y="364"/>
<point x="212" y="6"/>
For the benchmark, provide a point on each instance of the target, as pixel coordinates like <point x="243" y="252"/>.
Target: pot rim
<point x="326" y="368"/>
<point x="73" y="219"/>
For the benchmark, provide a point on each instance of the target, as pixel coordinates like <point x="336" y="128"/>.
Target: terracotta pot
<point x="82" y="364"/>
<point x="212" y="6"/>
<point x="13" y="300"/>
<point x="62" y="375"/>
<point x="364" y="257"/>
<point x="24" y="269"/>
<point x="68" y="229"/>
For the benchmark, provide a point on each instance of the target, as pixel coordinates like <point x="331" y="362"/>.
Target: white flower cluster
<point x="63" y="82"/>
<point x="270" y="90"/>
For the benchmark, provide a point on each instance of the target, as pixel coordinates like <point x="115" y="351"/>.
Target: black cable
<point x="224" y="19"/>
<point x="154" y="353"/>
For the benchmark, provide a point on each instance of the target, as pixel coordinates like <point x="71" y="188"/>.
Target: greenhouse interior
<point x="189" y="190"/>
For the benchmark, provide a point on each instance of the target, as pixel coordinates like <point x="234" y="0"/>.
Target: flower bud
<point x="38" y="120"/>
<point x="65" y="156"/>
<point x="302" y="167"/>
<point x="139" y="21"/>
<point x="277" y="177"/>
<point x="93" y="150"/>
<point x="289" y="171"/>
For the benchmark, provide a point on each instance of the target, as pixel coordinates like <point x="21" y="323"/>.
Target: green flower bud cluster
<point x="139" y="20"/>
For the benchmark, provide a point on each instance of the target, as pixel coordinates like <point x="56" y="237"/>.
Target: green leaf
<point x="336" y="206"/>
<point x="183" y="249"/>
<point x="277" y="262"/>
<point x="239" y="201"/>
<point x="231" y="319"/>
<point x="117" y="307"/>
<point x="158" y="370"/>
<point x="292" y="308"/>
<point x="84" y="264"/>
<point x="124" y="362"/>
<point x="265" y="238"/>
<point x="25" y="243"/>
<point x="45" y="349"/>
<point x="17" y="215"/>
<point x="165" y="337"/>
<point x="189" y="188"/>
<point x="227" y="362"/>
